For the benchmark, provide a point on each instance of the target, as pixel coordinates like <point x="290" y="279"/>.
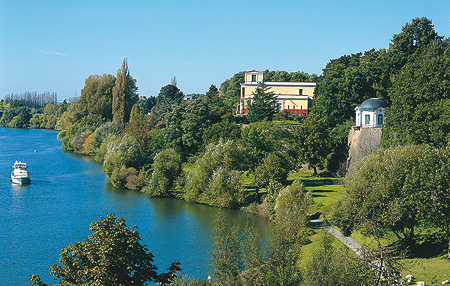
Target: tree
<point x="111" y="255"/>
<point x="166" y="169"/>
<point x="272" y="169"/>
<point x="335" y="266"/>
<point x="212" y="94"/>
<point x="420" y="110"/>
<point x="138" y="127"/>
<point x="225" y="257"/>
<point x="311" y="141"/>
<point x="414" y="36"/>
<point x="124" y="95"/>
<point x="227" y="155"/>
<point x="384" y="194"/>
<point x="231" y="89"/>
<point x="263" y="104"/>
<point x="196" y="118"/>
<point x="170" y="93"/>
<point x="289" y="233"/>
<point x="97" y="96"/>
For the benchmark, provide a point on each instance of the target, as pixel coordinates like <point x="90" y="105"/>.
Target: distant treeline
<point x="32" y="99"/>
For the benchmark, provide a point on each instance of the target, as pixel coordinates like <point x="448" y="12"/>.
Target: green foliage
<point x="311" y="140"/>
<point x="263" y="104"/>
<point x="166" y="169"/>
<point x="99" y="136"/>
<point x="414" y="36"/>
<point x="79" y="139"/>
<point x="349" y="80"/>
<point x="272" y="169"/>
<point x="196" y="119"/>
<point x="225" y="257"/>
<point x="231" y="89"/>
<point x="272" y="191"/>
<point x="284" y="76"/>
<point x="16" y="116"/>
<point x="223" y="130"/>
<point x="289" y="233"/>
<point x="227" y="155"/>
<point x="391" y="192"/>
<point x="124" y="95"/>
<point x="225" y="189"/>
<point x="121" y="153"/>
<point x="111" y="255"/>
<point x="139" y="127"/>
<point x="97" y="95"/>
<point x="337" y="266"/>
<point x="420" y="111"/>
<point x="167" y="100"/>
<point x="170" y="93"/>
<point x="337" y="149"/>
<point x="291" y="209"/>
<point x="262" y="138"/>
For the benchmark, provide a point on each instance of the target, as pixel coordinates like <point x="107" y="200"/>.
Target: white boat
<point x="19" y="174"/>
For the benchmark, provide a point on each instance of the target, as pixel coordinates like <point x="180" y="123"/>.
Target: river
<point x="68" y="192"/>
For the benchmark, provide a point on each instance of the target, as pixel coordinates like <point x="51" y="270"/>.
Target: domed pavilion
<point x="371" y="113"/>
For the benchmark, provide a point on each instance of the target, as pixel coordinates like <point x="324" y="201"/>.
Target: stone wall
<point x="362" y="141"/>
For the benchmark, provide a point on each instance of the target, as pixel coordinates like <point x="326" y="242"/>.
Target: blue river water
<point x="68" y="192"/>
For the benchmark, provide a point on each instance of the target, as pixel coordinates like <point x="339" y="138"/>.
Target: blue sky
<point x="55" y="45"/>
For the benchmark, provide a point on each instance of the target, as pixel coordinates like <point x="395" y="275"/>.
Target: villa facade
<point x="292" y="97"/>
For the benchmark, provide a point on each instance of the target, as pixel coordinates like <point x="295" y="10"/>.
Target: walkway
<point x="350" y="242"/>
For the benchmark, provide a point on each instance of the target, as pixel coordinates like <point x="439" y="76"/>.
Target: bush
<point x="166" y="169"/>
<point x="272" y="169"/>
<point x="227" y="155"/>
<point x="101" y="134"/>
<point x="225" y="189"/>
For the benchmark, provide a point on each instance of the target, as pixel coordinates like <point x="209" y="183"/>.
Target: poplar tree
<point x="124" y="95"/>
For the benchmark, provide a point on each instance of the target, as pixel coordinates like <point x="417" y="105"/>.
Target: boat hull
<point x="20" y="181"/>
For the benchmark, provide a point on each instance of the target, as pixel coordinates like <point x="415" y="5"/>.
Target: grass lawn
<point x="429" y="263"/>
<point x="326" y="190"/>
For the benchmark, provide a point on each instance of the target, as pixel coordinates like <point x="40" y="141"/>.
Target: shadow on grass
<point x="318" y="196"/>
<point x="425" y="249"/>
<point x="323" y="191"/>
<point x="428" y="250"/>
<point x="320" y="182"/>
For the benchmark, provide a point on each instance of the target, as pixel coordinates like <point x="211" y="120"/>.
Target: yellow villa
<point x="292" y="97"/>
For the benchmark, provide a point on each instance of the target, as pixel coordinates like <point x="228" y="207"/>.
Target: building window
<point x="253" y="77"/>
<point x="300" y="91"/>
<point x="380" y="119"/>
<point x="243" y="92"/>
<point x="367" y="121"/>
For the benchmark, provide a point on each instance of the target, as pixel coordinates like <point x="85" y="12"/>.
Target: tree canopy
<point x="111" y="255"/>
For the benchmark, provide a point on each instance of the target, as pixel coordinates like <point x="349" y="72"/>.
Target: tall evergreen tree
<point x="263" y="104"/>
<point x="124" y="95"/>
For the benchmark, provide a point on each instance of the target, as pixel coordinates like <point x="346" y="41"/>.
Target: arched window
<point x="380" y="119"/>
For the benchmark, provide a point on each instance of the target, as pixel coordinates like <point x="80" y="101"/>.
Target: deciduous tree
<point x="124" y="95"/>
<point x="111" y="255"/>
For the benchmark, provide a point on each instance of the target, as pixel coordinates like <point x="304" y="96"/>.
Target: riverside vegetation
<point x="198" y="151"/>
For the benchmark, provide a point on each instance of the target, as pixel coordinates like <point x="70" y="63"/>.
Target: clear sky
<point x="55" y="45"/>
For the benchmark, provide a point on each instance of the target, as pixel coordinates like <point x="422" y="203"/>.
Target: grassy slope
<point x="428" y="263"/>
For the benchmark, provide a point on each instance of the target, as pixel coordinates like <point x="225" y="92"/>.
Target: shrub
<point x="272" y="169"/>
<point x="166" y="169"/>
